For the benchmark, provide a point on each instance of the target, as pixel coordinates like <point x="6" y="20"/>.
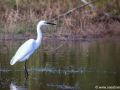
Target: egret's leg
<point x="26" y="72"/>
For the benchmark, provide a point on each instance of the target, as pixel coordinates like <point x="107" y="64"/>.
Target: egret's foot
<point x="26" y="74"/>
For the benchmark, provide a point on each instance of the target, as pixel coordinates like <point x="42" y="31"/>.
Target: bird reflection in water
<point x="13" y="86"/>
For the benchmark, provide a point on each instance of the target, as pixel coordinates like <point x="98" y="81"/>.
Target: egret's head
<point x="44" y="23"/>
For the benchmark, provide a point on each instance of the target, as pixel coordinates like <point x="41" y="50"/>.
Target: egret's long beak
<point x="51" y="23"/>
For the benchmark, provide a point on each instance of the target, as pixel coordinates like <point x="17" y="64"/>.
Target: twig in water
<point x="53" y="50"/>
<point x="67" y="13"/>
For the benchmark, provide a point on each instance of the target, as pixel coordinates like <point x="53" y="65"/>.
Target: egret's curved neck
<point x="39" y="34"/>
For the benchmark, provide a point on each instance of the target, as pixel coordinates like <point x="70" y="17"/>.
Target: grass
<point x="21" y="17"/>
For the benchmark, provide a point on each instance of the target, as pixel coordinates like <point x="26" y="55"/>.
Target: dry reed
<point x="21" y="16"/>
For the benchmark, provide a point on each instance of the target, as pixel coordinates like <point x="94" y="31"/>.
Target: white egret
<point x="27" y="48"/>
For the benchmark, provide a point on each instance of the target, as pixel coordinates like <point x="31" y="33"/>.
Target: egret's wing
<point x="24" y="50"/>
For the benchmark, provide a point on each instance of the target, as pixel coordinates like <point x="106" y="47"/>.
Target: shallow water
<point x="75" y="66"/>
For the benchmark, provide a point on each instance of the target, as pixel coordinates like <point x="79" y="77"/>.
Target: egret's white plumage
<point x="24" y="51"/>
<point x="27" y="49"/>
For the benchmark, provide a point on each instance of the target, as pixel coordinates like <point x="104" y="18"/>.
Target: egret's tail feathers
<point x="13" y="61"/>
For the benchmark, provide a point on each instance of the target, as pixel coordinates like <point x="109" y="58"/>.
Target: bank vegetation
<point x="97" y="19"/>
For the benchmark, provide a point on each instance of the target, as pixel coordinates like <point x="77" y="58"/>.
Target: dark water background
<point x="76" y="65"/>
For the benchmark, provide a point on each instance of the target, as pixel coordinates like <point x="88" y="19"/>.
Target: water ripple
<point x="63" y="87"/>
<point x="63" y="71"/>
<point x="73" y="71"/>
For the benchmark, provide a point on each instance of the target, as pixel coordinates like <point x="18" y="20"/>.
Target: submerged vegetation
<point x="21" y="16"/>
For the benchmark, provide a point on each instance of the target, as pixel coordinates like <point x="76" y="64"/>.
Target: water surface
<point x="75" y="66"/>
